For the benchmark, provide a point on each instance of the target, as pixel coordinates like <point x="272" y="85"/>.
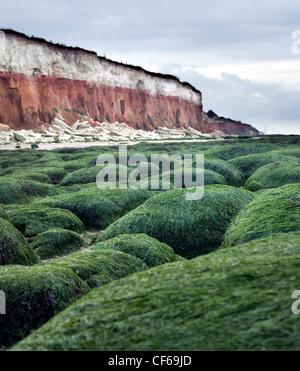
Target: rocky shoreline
<point x="89" y="131"/>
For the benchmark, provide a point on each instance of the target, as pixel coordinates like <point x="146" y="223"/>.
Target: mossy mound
<point x="89" y="174"/>
<point x="254" y="186"/>
<point x="191" y="228"/>
<point x="33" y="296"/>
<point x="231" y="151"/>
<point x="210" y="177"/>
<point x="230" y="172"/>
<point x="14" y="191"/>
<point x="277" y="244"/>
<point x="295" y="152"/>
<point x="162" y="186"/>
<point x="33" y="220"/>
<point x="249" y="164"/>
<point x="56" y="174"/>
<point x="275" y="211"/>
<point x="81" y="176"/>
<point x="14" y="249"/>
<point x="33" y="175"/>
<point x="99" y="208"/>
<point x="56" y="242"/>
<point x="275" y="175"/>
<point x="233" y="299"/>
<point x="3" y="214"/>
<point x="146" y="248"/>
<point x="99" y="267"/>
<point x="19" y="157"/>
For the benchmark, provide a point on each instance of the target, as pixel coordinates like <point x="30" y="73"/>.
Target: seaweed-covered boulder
<point x="254" y="186"/>
<point x="87" y="175"/>
<point x="228" y="151"/>
<point x="230" y="172"/>
<point x="56" y="242"/>
<point x="31" y="221"/>
<point x="146" y="248"/>
<point x="250" y="163"/>
<point x="277" y="244"/>
<point x="33" y="296"/>
<point x="160" y="187"/>
<point x="33" y="175"/>
<point x="210" y="177"/>
<point x="293" y="151"/>
<point x="275" y="175"/>
<point x="42" y="174"/>
<point x="81" y="176"/>
<point x="98" y="267"/>
<point x="14" y="190"/>
<point x="233" y="299"/>
<point x="275" y="211"/>
<point x="98" y="208"/>
<point x="14" y="249"/>
<point x="3" y="214"/>
<point x="56" y="174"/>
<point x="190" y="227"/>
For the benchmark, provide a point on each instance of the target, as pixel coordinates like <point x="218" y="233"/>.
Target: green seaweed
<point x="31" y="221"/>
<point x="234" y="299"/>
<point x="14" y="190"/>
<point x="146" y="248"/>
<point x="190" y="227"/>
<point x="274" y="211"/>
<point x="56" y="242"/>
<point x="14" y="249"/>
<point x="97" y="208"/>
<point x="275" y="175"/>
<point x="33" y="296"/>
<point x="250" y="163"/>
<point x="99" y="267"/>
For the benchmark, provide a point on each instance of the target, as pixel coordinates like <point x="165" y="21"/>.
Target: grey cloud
<point x="246" y="100"/>
<point x="246" y="31"/>
<point x="160" y="24"/>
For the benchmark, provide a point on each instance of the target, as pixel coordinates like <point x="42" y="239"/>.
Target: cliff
<point x="40" y="80"/>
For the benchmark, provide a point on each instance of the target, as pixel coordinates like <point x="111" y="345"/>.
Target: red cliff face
<point x="28" y="101"/>
<point x="41" y="80"/>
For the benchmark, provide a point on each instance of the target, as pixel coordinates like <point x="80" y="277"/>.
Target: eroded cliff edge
<point x="40" y="80"/>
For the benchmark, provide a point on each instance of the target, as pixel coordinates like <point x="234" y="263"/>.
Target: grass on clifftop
<point x="56" y="242"/>
<point x="14" y="249"/>
<point x="146" y="248"/>
<point x="275" y="211"/>
<point x="230" y="300"/>
<point x="99" y="267"/>
<point x="191" y="228"/>
<point x="31" y="221"/>
<point x="33" y="296"/>
<point x="274" y="175"/>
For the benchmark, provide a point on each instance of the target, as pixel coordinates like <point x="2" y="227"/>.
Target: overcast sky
<point x="239" y="54"/>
